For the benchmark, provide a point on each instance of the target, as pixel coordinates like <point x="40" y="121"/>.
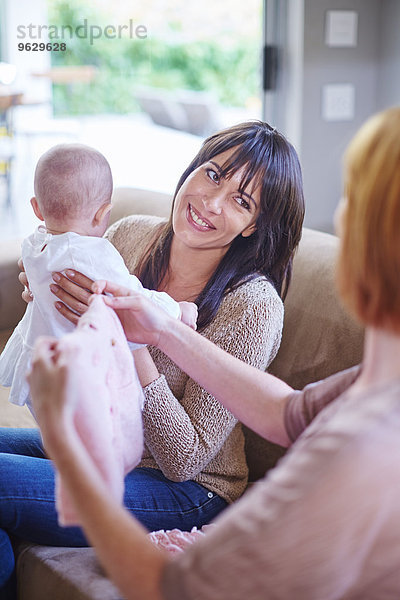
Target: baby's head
<point x="73" y="187"/>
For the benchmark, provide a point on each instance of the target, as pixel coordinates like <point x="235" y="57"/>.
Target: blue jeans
<point x="27" y="505"/>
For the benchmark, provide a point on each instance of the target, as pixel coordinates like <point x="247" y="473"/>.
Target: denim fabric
<point x="27" y="507"/>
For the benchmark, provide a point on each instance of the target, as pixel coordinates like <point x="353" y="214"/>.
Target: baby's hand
<point x="27" y="295"/>
<point x="189" y="314"/>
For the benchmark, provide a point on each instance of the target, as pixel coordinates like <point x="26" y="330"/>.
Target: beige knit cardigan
<point x="188" y="434"/>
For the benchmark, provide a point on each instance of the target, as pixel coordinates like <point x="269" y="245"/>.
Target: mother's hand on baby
<point x="73" y="291"/>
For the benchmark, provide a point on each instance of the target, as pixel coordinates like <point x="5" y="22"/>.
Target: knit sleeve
<point x="185" y="435"/>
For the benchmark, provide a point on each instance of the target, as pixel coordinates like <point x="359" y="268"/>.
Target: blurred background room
<point x="145" y="81"/>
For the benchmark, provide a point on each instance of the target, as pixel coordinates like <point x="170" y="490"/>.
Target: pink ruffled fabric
<point x="175" y="541"/>
<point x="106" y="399"/>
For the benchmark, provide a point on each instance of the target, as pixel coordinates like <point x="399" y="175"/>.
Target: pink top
<point x="107" y="413"/>
<point x="325" y="523"/>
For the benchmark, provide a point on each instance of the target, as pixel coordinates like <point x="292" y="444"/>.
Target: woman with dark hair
<point x="325" y="523"/>
<point x="270" y="164"/>
<point x="228" y="246"/>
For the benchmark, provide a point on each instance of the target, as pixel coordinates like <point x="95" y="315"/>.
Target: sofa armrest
<point x="12" y="307"/>
<point x="63" y="573"/>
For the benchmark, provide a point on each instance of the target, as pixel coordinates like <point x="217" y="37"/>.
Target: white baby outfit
<point x="42" y="255"/>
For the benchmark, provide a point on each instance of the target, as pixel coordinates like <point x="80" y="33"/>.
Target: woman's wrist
<point x="59" y="436"/>
<point x="173" y="330"/>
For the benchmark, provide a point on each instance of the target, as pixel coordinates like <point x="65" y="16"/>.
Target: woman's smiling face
<point x="210" y="211"/>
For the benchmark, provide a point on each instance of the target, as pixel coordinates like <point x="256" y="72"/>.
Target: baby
<point x="73" y="186"/>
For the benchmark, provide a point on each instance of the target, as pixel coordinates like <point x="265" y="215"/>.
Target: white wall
<point x="388" y="92"/>
<point x="308" y="64"/>
<point x="323" y="142"/>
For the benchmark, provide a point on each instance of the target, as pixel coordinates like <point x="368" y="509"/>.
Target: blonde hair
<point x="369" y="261"/>
<point x="72" y="181"/>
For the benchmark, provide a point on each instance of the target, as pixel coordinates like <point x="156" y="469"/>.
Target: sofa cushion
<point x="319" y="336"/>
<point x="10" y="414"/>
<point x="45" y="572"/>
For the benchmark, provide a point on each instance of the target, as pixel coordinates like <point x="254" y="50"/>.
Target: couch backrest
<point x="319" y="337"/>
<point x="129" y="201"/>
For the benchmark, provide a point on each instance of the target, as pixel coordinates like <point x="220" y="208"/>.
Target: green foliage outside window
<point x="227" y="68"/>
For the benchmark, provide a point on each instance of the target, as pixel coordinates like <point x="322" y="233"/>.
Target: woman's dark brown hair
<point x="271" y="163"/>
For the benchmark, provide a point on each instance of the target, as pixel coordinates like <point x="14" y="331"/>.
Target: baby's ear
<point x="36" y="209"/>
<point x="102" y="213"/>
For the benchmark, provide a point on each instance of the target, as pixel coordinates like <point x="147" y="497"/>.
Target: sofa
<point x="319" y="338"/>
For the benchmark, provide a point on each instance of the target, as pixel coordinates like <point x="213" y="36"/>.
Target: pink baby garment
<point x="106" y="399"/>
<point x="175" y="541"/>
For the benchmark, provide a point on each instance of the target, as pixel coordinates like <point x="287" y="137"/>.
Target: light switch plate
<point x="341" y="28"/>
<point x="338" y="101"/>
